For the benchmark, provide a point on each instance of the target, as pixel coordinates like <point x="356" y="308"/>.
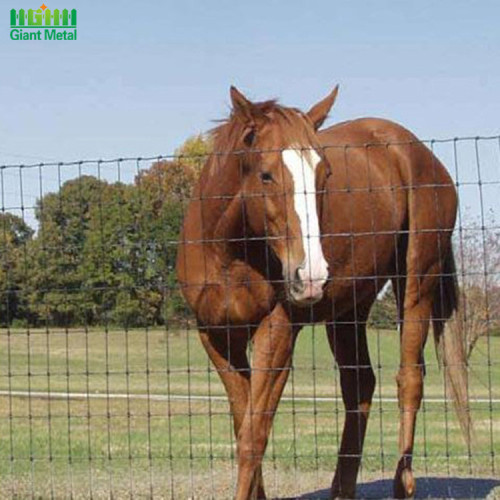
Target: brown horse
<point x="289" y="226"/>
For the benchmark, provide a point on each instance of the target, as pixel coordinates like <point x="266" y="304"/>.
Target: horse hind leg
<point x="347" y="338"/>
<point x="415" y="305"/>
<point x="410" y="380"/>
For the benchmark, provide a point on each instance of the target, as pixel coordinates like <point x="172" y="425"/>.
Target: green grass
<point x="102" y="445"/>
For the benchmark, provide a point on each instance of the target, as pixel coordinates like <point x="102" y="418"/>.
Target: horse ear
<point x="245" y="109"/>
<point x="241" y="105"/>
<point x="318" y="113"/>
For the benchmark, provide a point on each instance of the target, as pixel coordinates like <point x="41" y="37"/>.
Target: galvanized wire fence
<point x="107" y="392"/>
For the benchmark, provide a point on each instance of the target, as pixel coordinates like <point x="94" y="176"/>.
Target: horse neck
<point x="221" y="203"/>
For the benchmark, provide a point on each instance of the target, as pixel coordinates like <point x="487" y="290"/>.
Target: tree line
<point x="103" y="253"/>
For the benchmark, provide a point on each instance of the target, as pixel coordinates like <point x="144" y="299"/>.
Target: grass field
<point x="177" y="448"/>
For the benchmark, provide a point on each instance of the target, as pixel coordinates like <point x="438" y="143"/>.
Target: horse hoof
<point x="337" y="493"/>
<point x="404" y="484"/>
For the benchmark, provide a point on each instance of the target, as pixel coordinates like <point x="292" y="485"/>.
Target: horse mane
<point x="296" y="128"/>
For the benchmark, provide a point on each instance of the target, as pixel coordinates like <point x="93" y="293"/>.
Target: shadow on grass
<point x="427" y="487"/>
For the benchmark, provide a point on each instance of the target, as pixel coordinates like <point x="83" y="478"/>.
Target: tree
<point x="110" y="265"/>
<point x="15" y="235"/>
<point x="194" y="152"/>
<point x="477" y="250"/>
<point x="104" y="252"/>
<point x="55" y="282"/>
<point x="162" y="193"/>
<point x="161" y="196"/>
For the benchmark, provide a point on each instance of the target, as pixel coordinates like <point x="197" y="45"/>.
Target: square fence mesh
<point x="107" y="392"/>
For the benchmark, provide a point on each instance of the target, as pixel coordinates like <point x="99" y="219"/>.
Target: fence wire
<point x="106" y="390"/>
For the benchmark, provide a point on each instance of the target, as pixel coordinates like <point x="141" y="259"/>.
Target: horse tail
<point x="450" y="343"/>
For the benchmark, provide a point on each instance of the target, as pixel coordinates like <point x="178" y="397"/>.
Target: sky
<point x="143" y="76"/>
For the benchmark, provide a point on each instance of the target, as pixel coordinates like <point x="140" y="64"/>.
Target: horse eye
<point x="266" y="177"/>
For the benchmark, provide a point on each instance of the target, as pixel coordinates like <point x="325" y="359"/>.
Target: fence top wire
<point x="222" y="153"/>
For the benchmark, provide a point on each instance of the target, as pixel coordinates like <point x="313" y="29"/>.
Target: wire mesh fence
<point x="105" y="388"/>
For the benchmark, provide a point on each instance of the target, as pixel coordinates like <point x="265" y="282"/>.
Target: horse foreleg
<point x="348" y="343"/>
<point x="272" y="355"/>
<point x="227" y="351"/>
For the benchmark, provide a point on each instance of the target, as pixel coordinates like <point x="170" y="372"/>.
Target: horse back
<point x="380" y="183"/>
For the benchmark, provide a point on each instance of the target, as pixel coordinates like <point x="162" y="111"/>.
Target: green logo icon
<point x="43" y="24"/>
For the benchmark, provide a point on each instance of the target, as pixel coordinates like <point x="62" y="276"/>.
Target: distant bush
<point x="383" y="314"/>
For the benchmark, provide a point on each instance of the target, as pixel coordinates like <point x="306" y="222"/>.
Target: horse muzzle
<point x="306" y="285"/>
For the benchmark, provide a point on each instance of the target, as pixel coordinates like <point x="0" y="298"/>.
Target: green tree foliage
<point x="110" y="264"/>
<point x="194" y="152"/>
<point x="104" y="253"/>
<point x="15" y="235"/>
<point x="162" y="195"/>
<point x="55" y="283"/>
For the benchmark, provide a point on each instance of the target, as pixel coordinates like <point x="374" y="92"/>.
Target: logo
<point x="43" y="24"/>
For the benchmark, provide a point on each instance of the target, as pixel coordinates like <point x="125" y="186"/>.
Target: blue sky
<point x="143" y="76"/>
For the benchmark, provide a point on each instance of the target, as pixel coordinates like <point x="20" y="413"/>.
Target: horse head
<point x="278" y="157"/>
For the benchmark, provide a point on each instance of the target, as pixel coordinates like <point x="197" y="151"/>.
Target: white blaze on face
<point x="302" y="166"/>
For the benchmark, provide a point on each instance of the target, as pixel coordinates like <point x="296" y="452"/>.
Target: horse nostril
<point x="297" y="275"/>
<point x="297" y="283"/>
